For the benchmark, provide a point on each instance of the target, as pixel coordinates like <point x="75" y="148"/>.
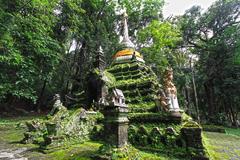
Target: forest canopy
<point x="49" y="46"/>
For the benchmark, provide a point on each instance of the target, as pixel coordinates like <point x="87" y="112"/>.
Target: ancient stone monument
<point x="156" y="123"/>
<point x="136" y="110"/>
<point x="116" y="121"/>
<point x="60" y="127"/>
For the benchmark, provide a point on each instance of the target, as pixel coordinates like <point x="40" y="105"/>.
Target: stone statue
<point x="161" y="100"/>
<point x="169" y="97"/>
<point x="164" y="101"/>
<point x="57" y="106"/>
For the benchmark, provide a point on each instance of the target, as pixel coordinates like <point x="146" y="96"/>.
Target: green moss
<point x="141" y="107"/>
<point x="18" y="120"/>
<point x="125" y="153"/>
<point x="123" y="67"/>
<point x="86" y="150"/>
<point x="155" y="156"/>
<point x="190" y="124"/>
<point x="138" y="83"/>
<point x="143" y="117"/>
<point x="111" y="81"/>
<point x="76" y="152"/>
<point x="154" y="136"/>
<point x="186" y="118"/>
<point x="10" y="132"/>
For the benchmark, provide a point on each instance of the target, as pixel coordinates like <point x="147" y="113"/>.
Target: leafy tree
<point x="159" y="41"/>
<point x="161" y="44"/>
<point x="214" y="37"/>
<point x="99" y="25"/>
<point x="29" y="53"/>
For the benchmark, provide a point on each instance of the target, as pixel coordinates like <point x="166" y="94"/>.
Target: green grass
<point x="76" y="152"/>
<point x="155" y="156"/>
<point x="233" y="131"/>
<point x="229" y="131"/>
<point x="17" y="120"/>
<point x="222" y="146"/>
<point x="11" y="133"/>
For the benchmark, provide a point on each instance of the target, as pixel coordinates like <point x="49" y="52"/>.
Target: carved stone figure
<point x="162" y="101"/>
<point x="169" y="99"/>
<point x="57" y="106"/>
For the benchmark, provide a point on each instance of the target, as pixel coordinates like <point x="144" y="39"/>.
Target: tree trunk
<point x="41" y="97"/>
<point x="187" y="98"/>
<point x="234" y="120"/>
<point x="209" y="90"/>
<point x="195" y="96"/>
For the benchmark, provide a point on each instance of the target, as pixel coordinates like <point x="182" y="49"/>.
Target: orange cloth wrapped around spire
<point x="127" y="52"/>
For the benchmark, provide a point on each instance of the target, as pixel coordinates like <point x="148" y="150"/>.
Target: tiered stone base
<point x="166" y="135"/>
<point x="138" y="83"/>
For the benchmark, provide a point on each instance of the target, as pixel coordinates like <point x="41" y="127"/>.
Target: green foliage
<point x="141" y="12"/>
<point x="214" y="37"/>
<point x="29" y="52"/>
<point x="159" y="40"/>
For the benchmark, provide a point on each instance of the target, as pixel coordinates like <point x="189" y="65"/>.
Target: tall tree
<point x="29" y="52"/>
<point x="100" y="25"/>
<point x="214" y="37"/>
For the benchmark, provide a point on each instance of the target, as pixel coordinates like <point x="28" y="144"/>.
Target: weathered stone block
<point x="116" y="121"/>
<point x="193" y="137"/>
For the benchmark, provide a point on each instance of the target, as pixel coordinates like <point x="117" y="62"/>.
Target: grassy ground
<point x="221" y="146"/>
<point x="232" y="131"/>
<point x="11" y="133"/>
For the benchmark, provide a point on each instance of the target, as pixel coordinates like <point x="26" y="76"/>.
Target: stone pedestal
<point x="193" y="137"/>
<point x="175" y="115"/>
<point x="116" y="125"/>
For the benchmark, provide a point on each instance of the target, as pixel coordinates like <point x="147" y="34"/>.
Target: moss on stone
<point x="63" y="128"/>
<point x="190" y="124"/>
<point x="138" y="83"/>
<point x="78" y="151"/>
<point x="127" y="152"/>
<point x="185" y="117"/>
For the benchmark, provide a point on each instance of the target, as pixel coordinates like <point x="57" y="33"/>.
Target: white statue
<point x="169" y="100"/>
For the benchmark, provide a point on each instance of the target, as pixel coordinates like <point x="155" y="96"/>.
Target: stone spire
<point x="126" y="42"/>
<point x="99" y="59"/>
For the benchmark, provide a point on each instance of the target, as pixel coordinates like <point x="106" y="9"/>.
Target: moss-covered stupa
<point x="137" y="80"/>
<point x="152" y="121"/>
<point x="156" y="121"/>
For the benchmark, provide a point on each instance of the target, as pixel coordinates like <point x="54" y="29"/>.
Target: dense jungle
<point x="51" y="47"/>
